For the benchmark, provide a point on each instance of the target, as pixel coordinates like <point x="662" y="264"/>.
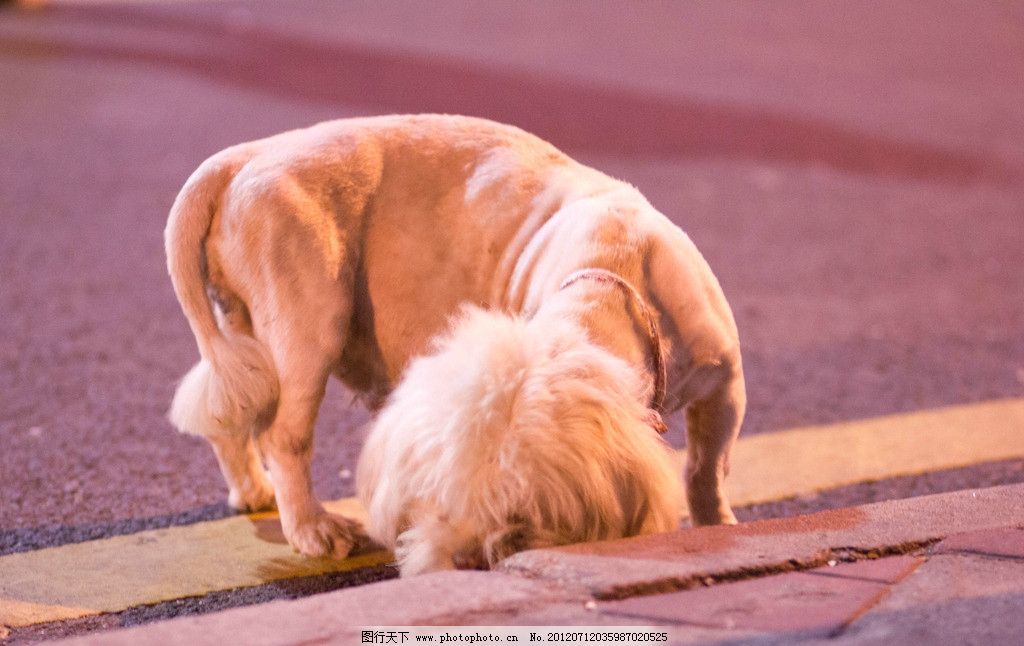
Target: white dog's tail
<point x="235" y="381"/>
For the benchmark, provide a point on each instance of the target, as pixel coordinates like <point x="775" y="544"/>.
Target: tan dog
<point x="346" y="247"/>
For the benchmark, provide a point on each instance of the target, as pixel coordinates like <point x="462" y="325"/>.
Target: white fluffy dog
<point x="346" y="247"/>
<point x="511" y="435"/>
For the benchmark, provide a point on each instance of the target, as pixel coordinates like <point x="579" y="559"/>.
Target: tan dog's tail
<point x="235" y="382"/>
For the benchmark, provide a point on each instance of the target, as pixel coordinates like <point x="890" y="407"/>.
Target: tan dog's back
<point x="428" y="212"/>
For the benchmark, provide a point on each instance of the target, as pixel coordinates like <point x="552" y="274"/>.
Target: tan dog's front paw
<point x="325" y="535"/>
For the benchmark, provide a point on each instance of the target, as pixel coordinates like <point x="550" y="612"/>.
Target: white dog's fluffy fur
<point x="513" y="434"/>
<point x="344" y="248"/>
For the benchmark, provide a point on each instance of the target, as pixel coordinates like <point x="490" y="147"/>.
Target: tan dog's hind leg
<point x="230" y="435"/>
<point x="249" y="488"/>
<point x="306" y="333"/>
<point x="712" y="425"/>
<point x="288" y="446"/>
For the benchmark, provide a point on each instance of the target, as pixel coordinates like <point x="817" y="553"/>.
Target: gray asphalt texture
<point x="853" y="175"/>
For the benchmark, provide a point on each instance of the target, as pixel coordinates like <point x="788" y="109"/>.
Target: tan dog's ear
<point x="654" y="420"/>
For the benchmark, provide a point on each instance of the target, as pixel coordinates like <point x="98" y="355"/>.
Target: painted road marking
<point x="776" y="466"/>
<point x="114" y="574"/>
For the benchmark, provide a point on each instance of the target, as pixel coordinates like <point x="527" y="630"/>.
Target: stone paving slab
<point x="950" y="599"/>
<point x="818" y="602"/>
<point x="886" y="571"/>
<point x="1007" y="542"/>
<point x="911" y="593"/>
<point x="444" y="598"/>
<point x="617" y="569"/>
<point x="575" y="614"/>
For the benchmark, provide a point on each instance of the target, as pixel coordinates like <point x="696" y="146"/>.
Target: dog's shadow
<point x="293" y="575"/>
<point x="269" y="530"/>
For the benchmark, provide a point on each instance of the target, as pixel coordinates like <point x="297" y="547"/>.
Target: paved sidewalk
<point x="946" y="568"/>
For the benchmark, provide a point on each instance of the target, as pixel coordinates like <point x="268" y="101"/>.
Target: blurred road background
<point x="854" y="174"/>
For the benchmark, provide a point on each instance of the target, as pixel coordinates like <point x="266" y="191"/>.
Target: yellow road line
<point x="113" y="574"/>
<point x="775" y="466"/>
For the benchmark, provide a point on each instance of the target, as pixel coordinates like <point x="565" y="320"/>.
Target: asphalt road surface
<point x="853" y="173"/>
